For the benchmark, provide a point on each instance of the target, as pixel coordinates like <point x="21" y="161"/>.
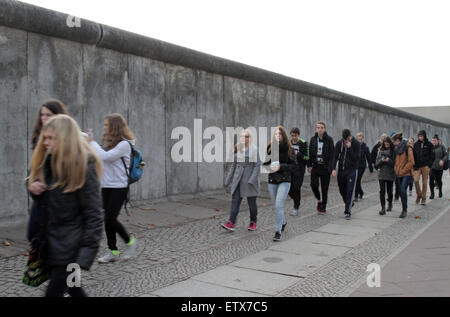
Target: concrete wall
<point x="96" y="70"/>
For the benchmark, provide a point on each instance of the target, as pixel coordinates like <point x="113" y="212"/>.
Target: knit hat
<point x="397" y="136"/>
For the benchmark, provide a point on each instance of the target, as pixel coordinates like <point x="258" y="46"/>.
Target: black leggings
<point x="324" y="178"/>
<point x="296" y="187"/>
<point x="58" y="284"/>
<point x="113" y="199"/>
<point x="385" y="186"/>
<point x="359" y="191"/>
<point x="436" y="178"/>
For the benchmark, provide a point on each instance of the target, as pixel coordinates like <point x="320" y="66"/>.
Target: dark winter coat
<point x="287" y="165"/>
<point x="327" y="152"/>
<point x="423" y="153"/>
<point x="386" y="169"/>
<point x="439" y="154"/>
<point x="365" y="156"/>
<point x="374" y="152"/>
<point x="348" y="158"/>
<point x="73" y="222"/>
<point x="302" y="156"/>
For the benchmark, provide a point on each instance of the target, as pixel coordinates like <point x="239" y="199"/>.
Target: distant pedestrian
<point x="386" y="174"/>
<point x="50" y="108"/>
<point x="244" y="176"/>
<point x="320" y="165"/>
<point x="424" y="158"/>
<point x="279" y="180"/>
<point x="301" y="153"/>
<point x="411" y="183"/>
<point x="115" y="155"/>
<point x="437" y="169"/>
<point x="376" y="147"/>
<point x="364" y="156"/>
<point x="403" y="166"/>
<point x="346" y="157"/>
<point x="64" y="179"/>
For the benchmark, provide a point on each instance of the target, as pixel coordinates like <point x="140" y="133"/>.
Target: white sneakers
<point x="109" y="257"/>
<point x="113" y="256"/>
<point x="131" y="248"/>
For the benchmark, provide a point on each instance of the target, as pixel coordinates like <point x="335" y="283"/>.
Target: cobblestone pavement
<point x="173" y="253"/>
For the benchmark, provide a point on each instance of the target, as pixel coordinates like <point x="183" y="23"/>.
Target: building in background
<point x="439" y="113"/>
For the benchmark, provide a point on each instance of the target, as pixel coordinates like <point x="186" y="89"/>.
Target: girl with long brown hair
<point x="281" y="160"/>
<point x="115" y="155"/>
<point x="386" y="173"/>
<point x="64" y="179"/>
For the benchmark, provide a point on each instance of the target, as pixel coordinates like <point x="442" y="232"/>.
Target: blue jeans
<point x="404" y="183"/>
<point x="278" y="194"/>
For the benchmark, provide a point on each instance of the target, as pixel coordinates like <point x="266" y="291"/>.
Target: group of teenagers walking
<point x="72" y="180"/>
<point x="78" y="187"/>
<point x="398" y="161"/>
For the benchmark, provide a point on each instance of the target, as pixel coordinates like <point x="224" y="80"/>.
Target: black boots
<point x="382" y="211"/>
<point x="404" y="214"/>
<point x="432" y="195"/>
<point x="389" y="207"/>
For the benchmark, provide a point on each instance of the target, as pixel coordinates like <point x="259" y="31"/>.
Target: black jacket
<point x="365" y="156"/>
<point x="302" y="156"/>
<point x="348" y="158"/>
<point x="73" y="222"/>
<point x="327" y="155"/>
<point x="423" y="153"/>
<point x="374" y="153"/>
<point x="287" y="165"/>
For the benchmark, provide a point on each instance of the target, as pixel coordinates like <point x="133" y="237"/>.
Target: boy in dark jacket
<point x="364" y="156"/>
<point x="321" y="153"/>
<point x="423" y="158"/>
<point x="301" y="152"/>
<point x="347" y="153"/>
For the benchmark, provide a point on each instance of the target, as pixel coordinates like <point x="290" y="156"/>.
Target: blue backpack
<point x="136" y="169"/>
<point x="134" y="172"/>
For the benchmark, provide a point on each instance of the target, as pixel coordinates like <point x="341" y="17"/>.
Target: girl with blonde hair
<point x="244" y="174"/>
<point x="64" y="179"/>
<point x="115" y="154"/>
<point x="50" y="108"/>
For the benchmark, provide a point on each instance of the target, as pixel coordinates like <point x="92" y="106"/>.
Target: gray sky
<point x="393" y="52"/>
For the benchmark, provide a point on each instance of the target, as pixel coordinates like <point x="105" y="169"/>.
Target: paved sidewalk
<point x="285" y="268"/>
<point x="421" y="269"/>
<point x="183" y="251"/>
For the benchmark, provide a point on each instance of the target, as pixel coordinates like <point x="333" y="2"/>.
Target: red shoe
<point x="319" y="207"/>
<point x="252" y="226"/>
<point x="228" y="226"/>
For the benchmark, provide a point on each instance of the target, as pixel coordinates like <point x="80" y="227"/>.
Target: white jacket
<point x="114" y="174"/>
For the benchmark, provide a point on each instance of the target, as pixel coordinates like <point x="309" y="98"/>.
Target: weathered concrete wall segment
<point x="96" y="69"/>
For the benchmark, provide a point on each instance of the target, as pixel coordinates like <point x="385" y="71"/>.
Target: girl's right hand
<point x="37" y="188"/>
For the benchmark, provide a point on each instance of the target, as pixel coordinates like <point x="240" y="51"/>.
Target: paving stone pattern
<point x="170" y="254"/>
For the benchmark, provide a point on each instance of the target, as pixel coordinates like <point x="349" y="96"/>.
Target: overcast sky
<point x="393" y="52"/>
